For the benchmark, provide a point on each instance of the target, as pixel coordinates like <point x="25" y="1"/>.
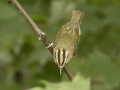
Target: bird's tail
<point x="77" y="16"/>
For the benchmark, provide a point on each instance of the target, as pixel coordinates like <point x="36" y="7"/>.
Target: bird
<point x="67" y="40"/>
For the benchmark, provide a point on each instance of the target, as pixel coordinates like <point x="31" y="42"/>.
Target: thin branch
<point x="41" y="35"/>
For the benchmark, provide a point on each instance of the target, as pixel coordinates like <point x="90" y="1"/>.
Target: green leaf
<point x="36" y="88"/>
<point x="79" y="83"/>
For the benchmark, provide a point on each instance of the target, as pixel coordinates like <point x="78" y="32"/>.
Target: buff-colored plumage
<point x="67" y="40"/>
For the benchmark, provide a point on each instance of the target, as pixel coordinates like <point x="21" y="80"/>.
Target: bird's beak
<point x="61" y="67"/>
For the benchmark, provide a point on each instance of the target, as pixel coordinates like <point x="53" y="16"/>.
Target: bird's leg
<point x="50" y="45"/>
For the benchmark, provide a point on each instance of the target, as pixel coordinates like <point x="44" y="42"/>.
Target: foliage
<point x="78" y="83"/>
<point x="24" y="60"/>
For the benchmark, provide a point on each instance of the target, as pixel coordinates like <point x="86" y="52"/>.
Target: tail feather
<point x="77" y="16"/>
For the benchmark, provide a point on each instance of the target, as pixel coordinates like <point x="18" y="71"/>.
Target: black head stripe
<point x="64" y="54"/>
<point x="59" y="56"/>
<point x="67" y="58"/>
<point x="54" y="55"/>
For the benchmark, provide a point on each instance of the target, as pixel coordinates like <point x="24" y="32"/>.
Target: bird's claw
<point x="50" y="45"/>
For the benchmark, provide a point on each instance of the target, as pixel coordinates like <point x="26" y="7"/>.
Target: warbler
<point x="67" y="40"/>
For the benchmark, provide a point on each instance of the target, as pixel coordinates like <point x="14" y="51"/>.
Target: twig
<point x="41" y="35"/>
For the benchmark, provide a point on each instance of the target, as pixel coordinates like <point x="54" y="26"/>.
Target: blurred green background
<point x="25" y="61"/>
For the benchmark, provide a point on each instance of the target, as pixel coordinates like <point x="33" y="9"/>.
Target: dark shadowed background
<point x="26" y="63"/>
